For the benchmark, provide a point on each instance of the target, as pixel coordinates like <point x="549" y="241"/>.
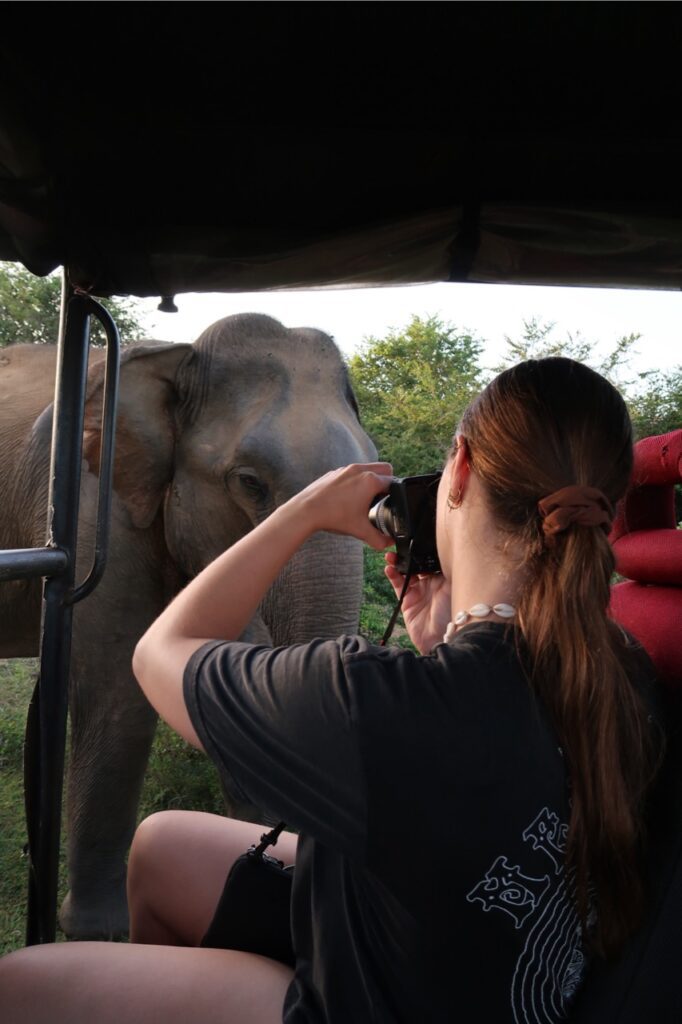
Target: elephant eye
<point x="252" y="486"/>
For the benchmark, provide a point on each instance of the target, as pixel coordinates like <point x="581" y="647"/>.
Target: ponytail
<point x="538" y="430"/>
<point x="577" y="658"/>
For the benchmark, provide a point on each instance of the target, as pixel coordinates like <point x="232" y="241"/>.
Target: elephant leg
<point x="112" y="723"/>
<point x="112" y="728"/>
<point x="111" y="736"/>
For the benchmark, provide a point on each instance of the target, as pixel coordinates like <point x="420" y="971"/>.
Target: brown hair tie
<point x="579" y="504"/>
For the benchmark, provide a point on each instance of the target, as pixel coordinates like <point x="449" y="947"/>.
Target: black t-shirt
<point x="431" y="798"/>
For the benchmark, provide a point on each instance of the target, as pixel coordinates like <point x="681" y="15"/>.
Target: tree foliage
<point x="538" y="342"/>
<point x="412" y="387"/>
<point x="654" y="398"/>
<point x="656" y="404"/>
<point x="29" y="310"/>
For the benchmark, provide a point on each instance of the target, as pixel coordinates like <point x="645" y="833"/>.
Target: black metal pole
<point x="106" y="455"/>
<point x="65" y="471"/>
<point x="27" y="563"/>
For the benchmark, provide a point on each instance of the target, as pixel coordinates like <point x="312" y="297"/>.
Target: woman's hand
<point x="426" y="606"/>
<point x="339" y="501"/>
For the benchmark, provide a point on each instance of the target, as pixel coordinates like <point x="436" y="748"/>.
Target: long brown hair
<point x="538" y="427"/>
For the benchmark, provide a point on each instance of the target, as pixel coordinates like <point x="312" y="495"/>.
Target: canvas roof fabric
<point x="154" y="149"/>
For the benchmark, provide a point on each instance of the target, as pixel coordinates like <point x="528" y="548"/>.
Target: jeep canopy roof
<point x="161" y="148"/>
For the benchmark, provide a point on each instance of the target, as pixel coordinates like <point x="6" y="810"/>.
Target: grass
<point x="177" y="776"/>
<point x="16" y="684"/>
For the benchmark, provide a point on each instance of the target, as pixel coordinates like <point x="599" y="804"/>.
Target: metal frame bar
<point x="25" y="563"/>
<point x="106" y="462"/>
<point x="45" y="759"/>
<point x="46" y="725"/>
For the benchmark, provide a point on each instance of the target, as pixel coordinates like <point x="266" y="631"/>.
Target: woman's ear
<point x="460" y="469"/>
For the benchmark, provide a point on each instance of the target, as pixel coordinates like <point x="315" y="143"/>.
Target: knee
<point x="153" y="838"/>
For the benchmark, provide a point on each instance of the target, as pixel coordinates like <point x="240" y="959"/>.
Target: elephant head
<point x="213" y="436"/>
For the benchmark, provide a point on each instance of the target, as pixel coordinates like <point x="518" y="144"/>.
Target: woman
<point x="471" y="820"/>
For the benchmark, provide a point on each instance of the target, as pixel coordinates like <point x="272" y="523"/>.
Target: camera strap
<point x="396" y="611"/>
<point x="267" y="839"/>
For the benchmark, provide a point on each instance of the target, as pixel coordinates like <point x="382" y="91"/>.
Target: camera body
<point x="408" y="515"/>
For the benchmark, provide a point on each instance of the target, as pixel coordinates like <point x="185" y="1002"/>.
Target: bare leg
<point x="178" y="865"/>
<point x="110" y="983"/>
<point x="177" y="869"/>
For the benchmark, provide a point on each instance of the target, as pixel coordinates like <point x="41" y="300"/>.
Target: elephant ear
<point x="145" y="425"/>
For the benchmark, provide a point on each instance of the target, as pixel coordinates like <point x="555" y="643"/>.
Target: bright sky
<point x="488" y="311"/>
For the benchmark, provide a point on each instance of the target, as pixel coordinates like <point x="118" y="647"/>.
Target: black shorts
<point x="254" y="912"/>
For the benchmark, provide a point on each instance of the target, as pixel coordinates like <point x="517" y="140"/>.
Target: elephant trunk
<point x="318" y="594"/>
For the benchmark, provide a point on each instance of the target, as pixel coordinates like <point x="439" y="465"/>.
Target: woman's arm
<point x="221" y="601"/>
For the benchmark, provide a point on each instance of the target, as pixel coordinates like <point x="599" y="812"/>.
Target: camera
<point x="408" y="515"/>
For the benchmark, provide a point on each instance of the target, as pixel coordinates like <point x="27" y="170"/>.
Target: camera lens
<point x="383" y="518"/>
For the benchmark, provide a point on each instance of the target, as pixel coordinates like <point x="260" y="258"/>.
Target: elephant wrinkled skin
<point x="210" y="438"/>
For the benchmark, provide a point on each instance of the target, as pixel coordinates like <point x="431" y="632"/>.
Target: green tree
<point x="29" y="310"/>
<point x="656" y="404"/>
<point x="654" y="398"/>
<point x="412" y="387"/>
<point x="537" y="342"/>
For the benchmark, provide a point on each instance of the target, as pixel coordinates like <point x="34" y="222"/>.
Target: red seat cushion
<point x="648" y="550"/>
<point x="653" y="615"/>
<point x="650" y="556"/>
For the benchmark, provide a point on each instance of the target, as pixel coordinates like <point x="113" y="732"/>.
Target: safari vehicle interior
<point x="195" y="147"/>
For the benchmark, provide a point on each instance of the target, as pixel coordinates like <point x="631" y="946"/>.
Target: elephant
<point x="211" y="437"/>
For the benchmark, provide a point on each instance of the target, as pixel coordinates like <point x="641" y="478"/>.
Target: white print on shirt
<point x="506" y="888"/>
<point x="549" y="835"/>
<point x="550" y="968"/>
<point x="551" y="965"/>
